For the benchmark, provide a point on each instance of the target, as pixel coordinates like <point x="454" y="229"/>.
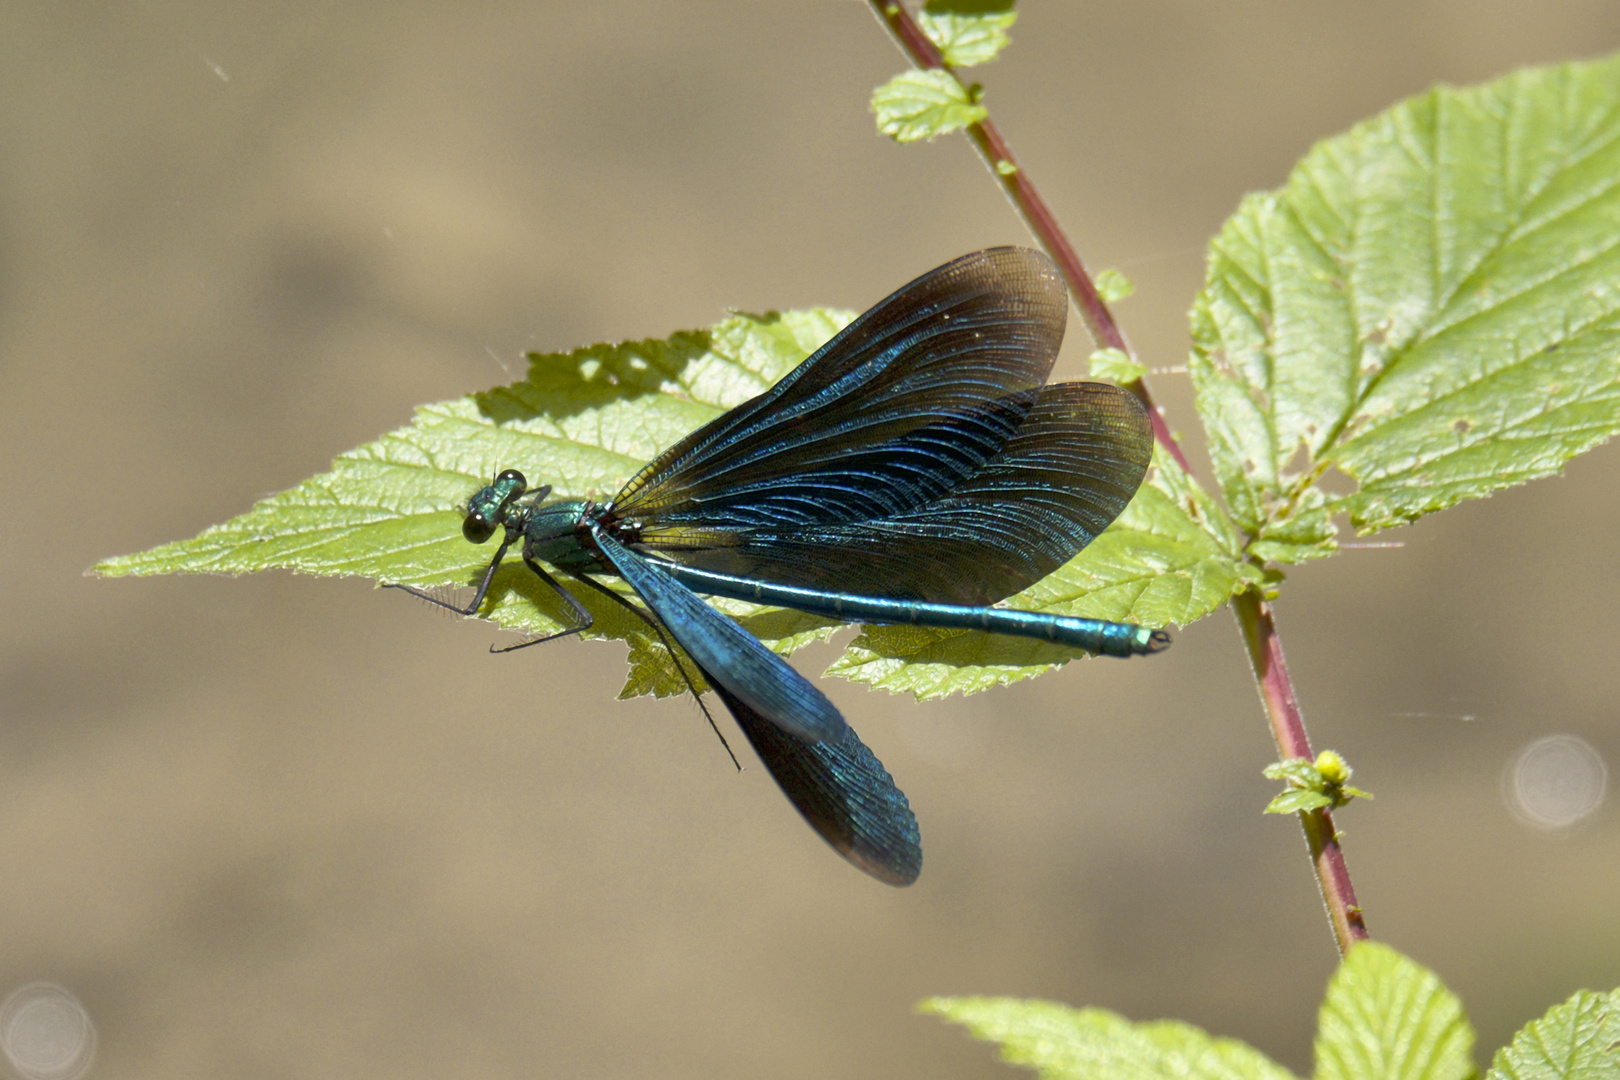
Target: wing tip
<point x="900" y="873"/>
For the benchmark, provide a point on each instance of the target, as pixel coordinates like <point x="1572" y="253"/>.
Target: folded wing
<point x="743" y="667"/>
<point x="842" y="790"/>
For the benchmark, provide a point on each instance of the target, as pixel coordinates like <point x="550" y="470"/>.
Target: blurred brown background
<point x="285" y="827"/>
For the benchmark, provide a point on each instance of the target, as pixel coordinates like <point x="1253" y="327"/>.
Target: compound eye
<point x="477" y="528"/>
<point x="512" y="475"/>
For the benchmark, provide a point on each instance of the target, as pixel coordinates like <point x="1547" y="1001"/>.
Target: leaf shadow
<point x="778" y="623"/>
<point x="516" y="593"/>
<point x="560" y="385"/>
<point x="962" y="648"/>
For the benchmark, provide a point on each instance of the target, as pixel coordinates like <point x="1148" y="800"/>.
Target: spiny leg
<point x="483" y="586"/>
<point x="586" y="620"/>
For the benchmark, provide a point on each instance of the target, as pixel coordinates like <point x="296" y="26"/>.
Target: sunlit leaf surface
<point x="1431" y="306"/>
<point x="1092" y="1044"/>
<point x="917" y="105"/>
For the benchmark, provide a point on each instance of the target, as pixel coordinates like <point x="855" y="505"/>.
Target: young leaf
<point x="1296" y="799"/>
<point x="916" y="105"/>
<point x="967" y="34"/>
<point x="1312" y="784"/>
<point x="1429" y="306"/>
<point x="1387" y="1018"/>
<point x="1172" y="557"/>
<point x="1114" y="286"/>
<point x="1115" y="365"/>
<point x="1092" y="1044"/>
<point x="1578" y="1040"/>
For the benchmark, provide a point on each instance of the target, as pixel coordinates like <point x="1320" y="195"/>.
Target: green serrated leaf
<point x="584" y="421"/>
<point x="1170" y="558"/>
<point x="1387" y="1018"/>
<point x="1115" y="365"/>
<point x="1428" y="305"/>
<point x="1092" y="1044"/>
<point x="1306" y="533"/>
<point x="1114" y="286"/>
<point x="967" y="39"/>
<point x="916" y="105"/>
<point x="1296" y="769"/>
<point x="1313" y="784"/>
<point x="1577" y="1040"/>
<point x="1297" y="799"/>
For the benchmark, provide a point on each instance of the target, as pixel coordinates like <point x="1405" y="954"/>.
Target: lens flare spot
<point x="46" y="1034"/>
<point x="1556" y="781"/>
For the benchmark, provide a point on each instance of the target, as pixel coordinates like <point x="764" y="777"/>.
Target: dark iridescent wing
<point x="1075" y="462"/>
<point x="842" y="790"/>
<point x="899" y="408"/>
<point x="746" y="669"/>
<point x="839" y="786"/>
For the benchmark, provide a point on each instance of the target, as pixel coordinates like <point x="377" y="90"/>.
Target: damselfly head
<point x="510" y="483"/>
<point x="486" y="511"/>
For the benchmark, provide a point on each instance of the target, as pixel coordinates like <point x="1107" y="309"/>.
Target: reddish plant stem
<point x="1288" y="729"/>
<point x="998" y="156"/>
<point x="1253" y="612"/>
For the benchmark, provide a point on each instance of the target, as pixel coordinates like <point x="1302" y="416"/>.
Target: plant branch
<point x="1253" y="612"/>
<point x="1288" y="729"/>
<point x="1020" y="189"/>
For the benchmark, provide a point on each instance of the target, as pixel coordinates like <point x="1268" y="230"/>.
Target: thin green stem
<point x="1252" y="611"/>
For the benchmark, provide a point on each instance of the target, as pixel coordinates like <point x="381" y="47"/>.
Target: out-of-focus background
<point x="279" y="826"/>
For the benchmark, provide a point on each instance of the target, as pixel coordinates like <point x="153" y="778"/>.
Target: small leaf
<point x="1387" y="1018"/>
<point x="1305" y="532"/>
<point x="966" y="39"/>
<point x="1114" y="286"/>
<point x="1170" y="558"/>
<point x="1296" y="799"/>
<point x="1115" y="365"/>
<point x="1299" y="771"/>
<point x="916" y="105"/>
<point x="1577" y="1040"/>
<point x="1429" y="305"/>
<point x="1312" y="784"/>
<point x="1092" y="1044"/>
